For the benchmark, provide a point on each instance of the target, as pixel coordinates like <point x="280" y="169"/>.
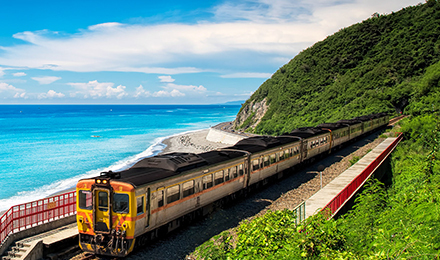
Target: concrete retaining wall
<point x="35" y="252"/>
<point x="223" y="137"/>
<point x="36" y="230"/>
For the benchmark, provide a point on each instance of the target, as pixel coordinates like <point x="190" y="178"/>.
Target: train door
<point x="304" y="150"/>
<point x="101" y="212"/>
<point x="147" y="206"/>
<point x="247" y="171"/>
<point x="330" y="141"/>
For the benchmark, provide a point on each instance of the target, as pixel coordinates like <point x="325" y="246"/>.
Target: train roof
<point x="260" y="143"/>
<point x="306" y="132"/>
<point x="350" y="121"/>
<point x="160" y="167"/>
<point x="332" y="126"/>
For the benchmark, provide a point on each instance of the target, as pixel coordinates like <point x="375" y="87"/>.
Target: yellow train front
<point x="106" y="215"/>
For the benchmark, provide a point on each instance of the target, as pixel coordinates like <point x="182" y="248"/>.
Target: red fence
<point x="31" y="214"/>
<point x="351" y="189"/>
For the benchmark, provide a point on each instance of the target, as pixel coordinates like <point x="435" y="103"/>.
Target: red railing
<point x="31" y="214"/>
<point x="346" y="194"/>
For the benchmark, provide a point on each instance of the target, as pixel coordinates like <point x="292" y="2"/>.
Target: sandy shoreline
<point x="192" y="142"/>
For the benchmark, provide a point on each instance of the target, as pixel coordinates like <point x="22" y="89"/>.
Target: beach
<point x="192" y="142"/>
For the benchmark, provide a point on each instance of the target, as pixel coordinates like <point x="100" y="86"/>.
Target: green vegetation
<point x="387" y="63"/>
<point x="397" y="222"/>
<point x="354" y="160"/>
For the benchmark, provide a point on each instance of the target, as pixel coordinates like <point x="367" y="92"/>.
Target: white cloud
<point x="247" y="75"/>
<point x="173" y="93"/>
<point x="19" y="74"/>
<point x="11" y="91"/>
<point x="141" y="92"/>
<point x="50" y="94"/>
<point x="46" y="80"/>
<point x="166" y="79"/>
<point x="185" y="87"/>
<point x="2" y="72"/>
<point x="247" y="94"/>
<point x="20" y="95"/>
<point x="104" y="26"/>
<point x="94" y="89"/>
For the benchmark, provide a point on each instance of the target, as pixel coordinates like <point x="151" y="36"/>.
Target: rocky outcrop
<point x="251" y="115"/>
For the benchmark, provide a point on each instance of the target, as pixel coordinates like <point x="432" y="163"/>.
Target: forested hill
<point x="387" y="63"/>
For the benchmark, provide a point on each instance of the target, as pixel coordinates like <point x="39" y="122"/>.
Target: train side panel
<point x="271" y="162"/>
<point x="179" y="196"/>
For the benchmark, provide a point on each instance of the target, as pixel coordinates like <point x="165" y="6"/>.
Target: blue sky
<point x="160" y="52"/>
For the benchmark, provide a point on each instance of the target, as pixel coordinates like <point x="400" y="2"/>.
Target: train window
<point x="240" y="170"/>
<point x="207" y="181"/>
<point x="140" y="205"/>
<point x="173" y="193"/>
<point x="266" y="161"/>
<point x="159" y="198"/>
<point x="281" y="155"/>
<point x="188" y="188"/>
<point x="273" y="158"/>
<point x="103" y="201"/>
<point x="218" y="177"/>
<point x="227" y="172"/>
<point x="255" y="165"/>
<point x="85" y="199"/>
<point x="234" y="173"/>
<point x="121" y="203"/>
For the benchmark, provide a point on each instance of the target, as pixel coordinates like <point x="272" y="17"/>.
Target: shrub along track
<point x="286" y="193"/>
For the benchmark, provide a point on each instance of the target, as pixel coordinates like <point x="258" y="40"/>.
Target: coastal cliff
<point x="250" y="115"/>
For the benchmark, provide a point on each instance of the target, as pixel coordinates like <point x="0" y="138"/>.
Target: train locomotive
<point x="118" y="211"/>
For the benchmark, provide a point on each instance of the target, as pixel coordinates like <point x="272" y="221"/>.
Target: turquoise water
<point x="45" y="149"/>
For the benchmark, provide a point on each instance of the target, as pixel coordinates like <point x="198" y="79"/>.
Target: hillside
<point x="387" y="63"/>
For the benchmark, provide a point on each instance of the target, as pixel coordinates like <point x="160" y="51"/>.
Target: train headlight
<point x="98" y="181"/>
<point x="104" y="181"/>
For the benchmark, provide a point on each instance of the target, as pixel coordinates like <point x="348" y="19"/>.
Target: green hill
<point x="387" y="63"/>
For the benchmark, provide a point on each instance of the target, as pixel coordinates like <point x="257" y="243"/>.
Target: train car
<point x="118" y="211"/>
<point x="315" y="141"/>
<point x="269" y="155"/>
<point x="339" y="133"/>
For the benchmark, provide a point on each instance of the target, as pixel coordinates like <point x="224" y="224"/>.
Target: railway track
<point x="393" y="121"/>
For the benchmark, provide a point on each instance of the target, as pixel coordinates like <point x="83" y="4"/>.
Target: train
<point x="120" y="211"/>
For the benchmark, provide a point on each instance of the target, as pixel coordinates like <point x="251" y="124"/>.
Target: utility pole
<point x="321" y="169"/>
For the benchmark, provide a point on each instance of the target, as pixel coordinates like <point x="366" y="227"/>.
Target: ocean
<point x="45" y="149"/>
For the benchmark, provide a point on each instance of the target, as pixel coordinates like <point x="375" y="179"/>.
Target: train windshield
<point x="121" y="203"/>
<point x="85" y="199"/>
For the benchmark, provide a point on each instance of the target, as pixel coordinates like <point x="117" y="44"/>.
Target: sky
<point x="160" y="52"/>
